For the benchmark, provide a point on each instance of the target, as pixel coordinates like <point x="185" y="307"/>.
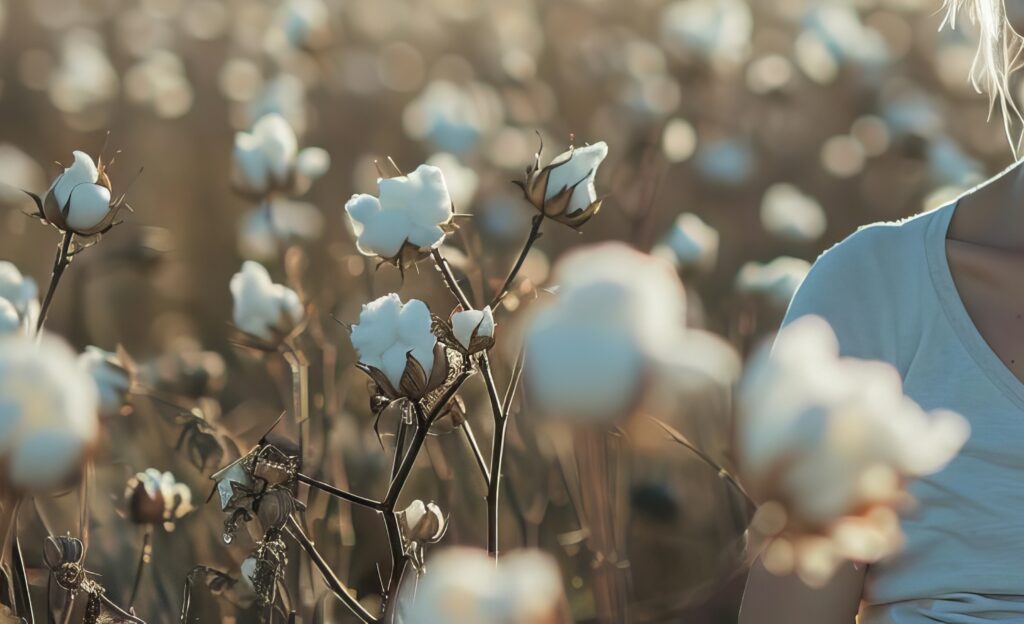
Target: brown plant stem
<point x="477" y="454"/>
<point x="535" y="233"/>
<point x="339" y="493"/>
<point x="144" y="557"/>
<point x="337" y="587"/>
<point x="23" y="599"/>
<point x="497" y="455"/>
<point x="449" y="279"/>
<point x="60" y="263"/>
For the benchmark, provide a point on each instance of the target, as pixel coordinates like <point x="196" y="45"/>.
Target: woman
<point x="939" y="296"/>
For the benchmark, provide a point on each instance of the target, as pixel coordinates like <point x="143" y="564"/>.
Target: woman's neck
<point x="992" y="214"/>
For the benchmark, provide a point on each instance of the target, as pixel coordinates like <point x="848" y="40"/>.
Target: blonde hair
<point x="998" y="56"/>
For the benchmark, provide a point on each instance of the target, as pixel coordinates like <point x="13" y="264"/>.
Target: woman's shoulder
<point x="869" y="283"/>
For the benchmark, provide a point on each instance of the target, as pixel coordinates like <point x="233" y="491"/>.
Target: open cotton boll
<point x="469" y="323"/>
<point x="266" y="230"/>
<point x="82" y="171"/>
<point x="827" y="443"/>
<point x="690" y="243"/>
<point x="89" y="205"/>
<point x="577" y="167"/>
<point x="261" y="307"/>
<point x="465" y="586"/>
<point x="48" y="412"/>
<point x="776" y="280"/>
<point x="9" y="320"/>
<point x="388" y="330"/>
<point x="411" y="209"/>
<point x="111" y="375"/>
<point x="789" y="214"/>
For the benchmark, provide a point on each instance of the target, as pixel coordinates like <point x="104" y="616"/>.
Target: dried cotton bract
<point x="263" y="309"/>
<point x="464" y="586"/>
<point x="412" y="215"/>
<point x="268" y="160"/>
<point x="564" y="189"/>
<point x="48" y="413"/>
<point x="397" y="348"/>
<point x="827" y="443"/>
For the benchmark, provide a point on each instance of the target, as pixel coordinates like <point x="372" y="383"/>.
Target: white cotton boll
<point x="690" y="242"/>
<point x="467" y="323"/>
<point x="82" y="171"/>
<point x="89" y="205"/>
<point x="279" y="144"/>
<point x="18" y="171"/>
<point x="261" y="307"/>
<point x="20" y="291"/>
<point x="250" y="164"/>
<point x="48" y="412"/>
<point x="715" y="29"/>
<point x="110" y="375"/>
<point x="411" y="209"/>
<point x="579" y="169"/>
<point x="465" y="586"/>
<point x="313" y="162"/>
<point x="462" y="181"/>
<point x="266" y="230"/>
<point x="388" y="330"/>
<point x="729" y="162"/>
<point x="9" y="320"/>
<point x="777" y="280"/>
<point x="791" y="215"/>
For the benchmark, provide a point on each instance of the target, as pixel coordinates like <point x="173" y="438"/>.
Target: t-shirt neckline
<point x="955" y="311"/>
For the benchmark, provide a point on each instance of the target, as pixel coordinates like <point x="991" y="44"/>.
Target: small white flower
<point x="262" y="308"/>
<point x="828" y="443"/>
<point x="388" y="330"/>
<point x="113" y="377"/>
<point x="690" y="243"/>
<point x="79" y="199"/>
<point x="268" y="159"/>
<point x="465" y="586"/>
<point x="776" y="280"/>
<point x="473" y="327"/>
<point x="789" y="214"/>
<point x="413" y="209"/>
<point x="21" y="292"/>
<point x="48" y="413"/>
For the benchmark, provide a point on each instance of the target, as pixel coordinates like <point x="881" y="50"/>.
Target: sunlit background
<point x="744" y="138"/>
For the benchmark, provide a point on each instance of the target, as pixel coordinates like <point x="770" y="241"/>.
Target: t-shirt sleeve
<point x="844" y="286"/>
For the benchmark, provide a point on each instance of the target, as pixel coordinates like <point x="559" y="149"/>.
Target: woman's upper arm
<point x="771" y="599"/>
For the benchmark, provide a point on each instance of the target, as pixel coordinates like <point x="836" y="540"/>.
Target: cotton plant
<point x="268" y="161"/>
<point x="826" y="445"/>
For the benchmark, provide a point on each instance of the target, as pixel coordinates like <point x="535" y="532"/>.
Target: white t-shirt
<point x="889" y="295"/>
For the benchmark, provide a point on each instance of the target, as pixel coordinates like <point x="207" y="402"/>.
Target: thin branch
<point x="144" y="557"/>
<point x="535" y="233"/>
<point x="60" y="263"/>
<point x="680" y="439"/>
<point x="342" y="494"/>
<point x="480" y="461"/>
<point x="449" y="279"/>
<point x="340" y="590"/>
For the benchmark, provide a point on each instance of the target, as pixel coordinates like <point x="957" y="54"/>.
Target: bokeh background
<point x="781" y="124"/>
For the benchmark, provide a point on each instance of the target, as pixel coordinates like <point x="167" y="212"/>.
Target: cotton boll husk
<point x="790" y="215"/>
<point x="467" y="323"/>
<point x="465" y="586"/>
<point x="48" y="412"/>
<point x="576" y="167"/>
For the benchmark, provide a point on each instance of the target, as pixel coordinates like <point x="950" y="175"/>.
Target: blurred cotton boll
<point x="21" y="293"/>
<point x="113" y="376"/>
<point x="718" y="30"/>
<point x="156" y="497"/>
<point x="48" y="413"/>
<point x="268" y="160"/>
<point x="85" y="78"/>
<point x="827" y="443"/>
<point x="690" y="243"/>
<point x="454" y="117"/>
<point x="18" y="171"/>
<point x="729" y="162"/>
<point x="159" y="82"/>
<point x="412" y="211"/>
<point x="262" y="308"/>
<point x="9" y="321"/>
<point x="789" y="214"/>
<point x="390" y="336"/>
<point x="776" y="281"/>
<point x="464" y="586"/>
<point x="462" y="181"/>
<point x="590" y="352"/>
<point x="301" y="25"/>
<point x="273" y="226"/>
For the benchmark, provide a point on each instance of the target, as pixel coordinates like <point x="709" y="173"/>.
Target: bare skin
<point x="985" y="251"/>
